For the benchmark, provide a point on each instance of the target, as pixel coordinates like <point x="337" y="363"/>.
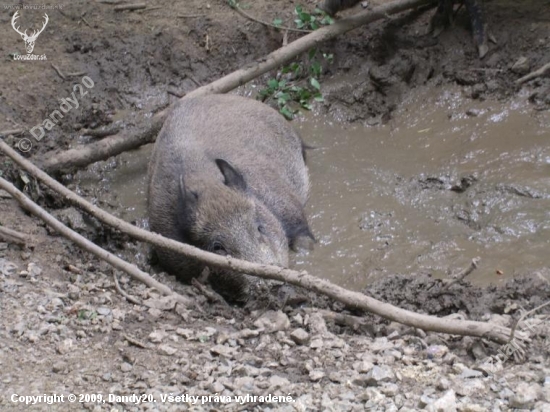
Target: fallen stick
<point x="112" y="146"/>
<point x="131" y="7"/>
<point x="88" y="246"/>
<point x="533" y="75"/>
<point x="12" y="236"/>
<point x="13" y="132"/>
<point x="58" y="71"/>
<point x="461" y="276"/>
<point x="351" y="299"/>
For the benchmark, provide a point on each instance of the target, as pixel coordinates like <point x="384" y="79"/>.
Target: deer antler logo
<point x="29" y="40"/>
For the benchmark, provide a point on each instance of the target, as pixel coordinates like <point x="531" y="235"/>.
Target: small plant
<point x="313" y="21"/>
<point x="302" y="90"/>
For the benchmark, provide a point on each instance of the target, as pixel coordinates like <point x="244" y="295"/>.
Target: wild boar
<point x="228" y="175"/>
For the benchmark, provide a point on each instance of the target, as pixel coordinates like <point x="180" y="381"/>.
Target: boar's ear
<point x="233" y="178"/>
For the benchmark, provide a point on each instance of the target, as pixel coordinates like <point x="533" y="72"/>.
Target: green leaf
<point x="306" y="106"/>
<point x="312" y="52"/>
<point x="286" y="112"/>
<point x="298" y="9"/>
<point x="278" y="22"/>
<point x="316" y="69"/>
<point x="273" y="84"/>
<point x="315" y="83"/>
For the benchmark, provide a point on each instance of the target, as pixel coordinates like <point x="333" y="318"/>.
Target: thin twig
<point x="190" y="16"/>
<point x="131" y="7"/>
<point x="100" y="133"/>
<point x="248" y="16"/>
<point x="85" y="244"/>
<point x="463" y="274"/>
<point x="128" y="297"/>
<point x="210" y="294"/>
<point x="58" y="71"/>
<point x="13" y="132"/>
<point x="512" y="332"/>
<point x="534" y="74"/>
<point x="13" y="236"/>
<point x="135" y="342"/>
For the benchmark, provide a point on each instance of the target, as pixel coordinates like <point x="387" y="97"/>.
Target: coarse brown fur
<point x="228" y="175"/>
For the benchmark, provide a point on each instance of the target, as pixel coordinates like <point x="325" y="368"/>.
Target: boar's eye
<point x="217" y="247"/>
<point x="261" y="229"/>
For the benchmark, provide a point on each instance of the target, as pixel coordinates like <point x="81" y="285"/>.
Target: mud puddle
<point x="447" y="180"/>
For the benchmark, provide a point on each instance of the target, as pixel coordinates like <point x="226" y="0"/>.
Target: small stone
<point x="217" y="387"/>
<point x="167" y="350"/>
<point x="470" y="373"/>
<point x="471" y="407"/>
<point x="103" y="311"/>
<point x="378" y="375"/>
<point x="186" y="333"/>
<point x="157" y="336"/>
<point x="106" y="377"/>
<point x="525" y="396"/>
<point x="222" y="350"/>
<point x="278" y="381"/>
<point x="273" y="321"/>
<point x="58" y="367"/>
<point x="443" y="384"/>
<point x="126" y="367"/>
<point x="363" y="367"/>
<point x="65" y="347"/>
<point x="316" y="376"/>
<point x="390" y="389"/>
<point x="447" y="403"/>
<point x="300" y="336"/>
<point x="436" y="351"/>
<point x="521" y="66"/>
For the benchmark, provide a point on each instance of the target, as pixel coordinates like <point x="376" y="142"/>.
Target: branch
<point x="112" y="146"/>
<point x="12" y="236"/>
<point x="88" y="246"/>
<point x="533" y="75"/>
<point x="351" y="299"/>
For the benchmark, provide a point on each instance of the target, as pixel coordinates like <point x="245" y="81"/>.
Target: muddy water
<point x="447" y="180"/>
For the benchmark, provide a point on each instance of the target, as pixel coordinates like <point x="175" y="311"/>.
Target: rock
<point x="58" y="367"/>
<point x="436" y="351"/>
<point x="471" y="407"/>
<point x="317" y="324"/>
<point x="217" y="387"/>
<point x="363" y="367"/>
<point x="167" y="350"/>
<point x="157" y="336"/>
<point x="526" y="395"/>
<point x="390" y="389"/>
<point x="186" y="333"/>
<point x="521" y="66"/>
<point x="65" y="347"/>
<point x="244" y="383"/>
<point x="222" y="350"/>
<point x="470" y="387"/>
<point x="126" y="367"/>
<point x="378" y="375"/>
<point x="470" y="373"/>
<point x="278" y="381"/>
<point x="443" y="384"/>
<point x="316" y="376"/>
<point x="273" y="321"/>
<point x="103" y="311"/>
<point x="300" y="336"/>
<point x="447" y="403"/>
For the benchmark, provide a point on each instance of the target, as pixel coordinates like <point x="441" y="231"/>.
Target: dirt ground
<point x="65" y="329"/>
